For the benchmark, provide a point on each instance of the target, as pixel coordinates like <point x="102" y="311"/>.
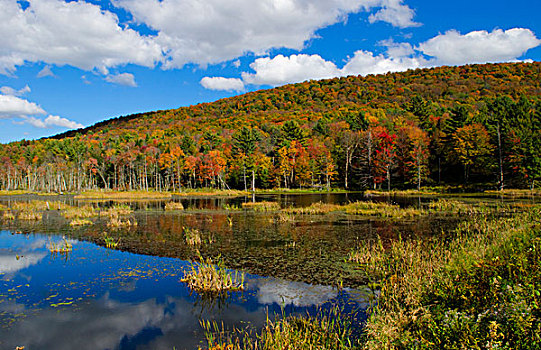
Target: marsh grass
<point x="210" y="192"/>
<point x="117" y="210"/>
<point x="30" y="215"/>
<point x="211" y="279"/>
<point x="116" y="221"/>
<point x="61" y="247"/>
<point x="285" y="217"/>
<point x="516" y="193"/>
<point x="326" y="330"/>
<point x="39" y="205"/>
<point x="358" y="208"/>
<point x="192" y="236"/>
<point x="233" y="207"/>
<point x="113" y="195"/>
<point x="174" y="206"/>
<point x="462" y="290"/>
<point x="261" y="206"/>
<point x="83" y="212"/>
<point x="110" y="242"/>
<point x="314" y="209"/>
<point x="405" y="193"/>
<point x="8" y="215"/>
<point x="80" y="222"/>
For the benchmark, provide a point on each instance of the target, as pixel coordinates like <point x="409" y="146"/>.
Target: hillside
<point x="477" y="123"/>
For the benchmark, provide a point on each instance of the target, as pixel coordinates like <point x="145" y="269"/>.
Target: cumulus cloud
<point x="395" y="13"/>
<point x="221" y="83"/>
<point x="51" y="122"/>
<point x="214" y="31"/>
<point x="451" y="48"/>
<point x="25" y="112"/>
<point x="73" y="33"/>
<point x="479" y="46"/>
<point x="126" y="79"/>
<point x="12" y="106"/>
<point x="282" y="70"/>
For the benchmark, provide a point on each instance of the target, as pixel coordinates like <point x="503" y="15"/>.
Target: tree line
<point x="470" y="124"/>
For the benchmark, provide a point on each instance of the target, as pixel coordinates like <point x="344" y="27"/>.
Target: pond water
<point x="132" y="298"/>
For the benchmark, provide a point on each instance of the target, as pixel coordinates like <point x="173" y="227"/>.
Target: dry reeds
<point x="62" y="247"/>
<point x="174" y="206"/>
<point x="80" y="222"/>
<point x="261" y="206"/>
<point x="115" y="195"/>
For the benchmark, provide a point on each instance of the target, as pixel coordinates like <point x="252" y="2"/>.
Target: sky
<point x="70" y="64"/>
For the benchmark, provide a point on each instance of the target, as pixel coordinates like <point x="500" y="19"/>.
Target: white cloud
<point x="295" y="68"/>
<point x="45" y="72"/>
<point x="74" y="33"/>
<point x="51" y="122"/>
<point x="454" y="48"/>
<point x="221" y="83"/>
<point x="7" y="90"/>
<point x="126" y="79"/>
<point x="12" y="106"/>
<point x="364" y="63"/>
<point x="395" y="13"/>
<point x="450" y="48"/>
<point x="213" y="31"/>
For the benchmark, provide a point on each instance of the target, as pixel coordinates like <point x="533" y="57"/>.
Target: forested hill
<point x="477" y="123"/>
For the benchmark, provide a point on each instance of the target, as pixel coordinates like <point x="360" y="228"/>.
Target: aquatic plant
<point x="261" y="206"/>
<point x="325" y="330"/>
<point x="174" y="206"/>
<point x="228" y="206"/>
<point x="210" y="278"/>
<point x="83" y="212"/>
<point x="192" y="236"/>
<point x="30" y="215"/>
<point x="61" y="247"/>
<point x="314" y="209"/>
<point x="8" y="215"/>
<point x="35" y="205"/>
<point x="80" y="222"/>
<point x="112" y="195"/>
<point x="117" y="210"/>
<point x="285" y="217"/>
<point x="109" y="241"/>
<point x="117" y="222"/>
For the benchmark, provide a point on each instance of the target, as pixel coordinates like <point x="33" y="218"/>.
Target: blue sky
<point x="64" y="65"/>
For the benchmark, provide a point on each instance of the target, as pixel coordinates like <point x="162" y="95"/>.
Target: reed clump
<point x="210" y="278"/>
<point x="314" y="209"/>
<point x="60" y="247"/>
<point x="192" y="236"/>
<point x="83" y="212"/>
<point x="116" y="221"/>
<point x="174" y="206"/>
<point x="326" y="330"/>
<point x="8" y="215"/>
<point x="381" y="209"/>
<point x="80" y="222"/>
<point x="30" y="215"/>
<point x="117" y="210"/>
<point x="110" y="242"/>
<point x="261" y="206"/>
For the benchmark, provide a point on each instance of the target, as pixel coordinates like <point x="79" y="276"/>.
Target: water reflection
<point x="102" y="299"/>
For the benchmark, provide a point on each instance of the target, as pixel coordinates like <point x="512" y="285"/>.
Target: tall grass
<point x="261" y="206"/>
<point x="112" y="195"/>
<point x="174" y="206"/>
<point x="325" y="330"/>
<point x="210" y="278"/>
<point x="460" y="291"/>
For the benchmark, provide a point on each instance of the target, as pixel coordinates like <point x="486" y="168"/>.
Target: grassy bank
<point x="477" y="288"/>
<point x="133" y="195"/>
